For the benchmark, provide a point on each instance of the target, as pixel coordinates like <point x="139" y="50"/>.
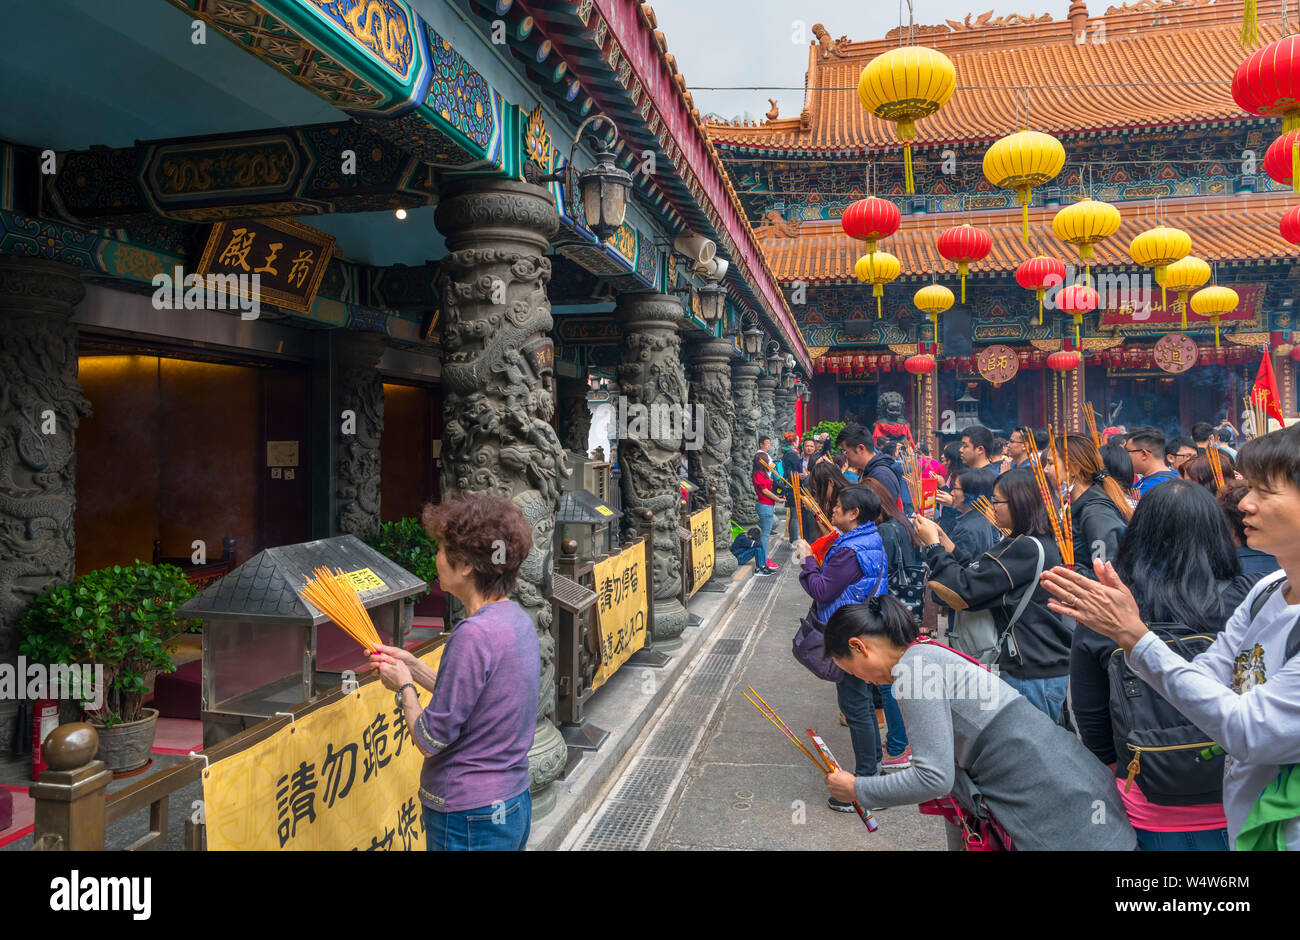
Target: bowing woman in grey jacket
<point x="966" y="726"/>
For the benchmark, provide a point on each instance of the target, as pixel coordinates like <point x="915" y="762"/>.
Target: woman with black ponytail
<point x="975" y="737"/>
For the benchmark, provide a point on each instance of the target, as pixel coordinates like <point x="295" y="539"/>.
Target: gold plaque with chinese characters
<point x="997" y="364"/>
<point x="289" y="258"/>
<point x="1174" y="352"/>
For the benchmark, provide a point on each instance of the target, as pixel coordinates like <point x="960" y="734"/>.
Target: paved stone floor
<point x="743" y="785"/>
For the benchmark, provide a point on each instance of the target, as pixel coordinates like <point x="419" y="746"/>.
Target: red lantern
<point x="1076" y="300"/>
<point x="886" y="363"/>
<point x="1282" y="162"/>
<point x="871" y="219"/>
<point x="833" y="364"/>
<point x="1289" y="225"/>
<point x="1268" y="82"/>
<point x="965" y="245"/>
<point x="866" y="363"/>
<point x="919" y="365"/>
<point x="1063" y="361"/>
<point x="819" y="365"/>
<point x="1039" y="274"/>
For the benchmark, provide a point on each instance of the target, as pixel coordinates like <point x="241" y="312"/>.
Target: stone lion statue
<point x="891" y="423"/>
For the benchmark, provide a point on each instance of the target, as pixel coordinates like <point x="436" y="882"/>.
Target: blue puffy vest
<point x="864" y="542"/>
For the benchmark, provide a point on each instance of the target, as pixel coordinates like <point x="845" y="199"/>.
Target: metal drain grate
<point x="629" y="816"/>
<point x="649" y="781"/>
<point x="671" y="740"/>
<point x="625" y="830"/>
<point x="712" y="665"/>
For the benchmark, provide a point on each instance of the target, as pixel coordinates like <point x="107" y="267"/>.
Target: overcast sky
<point x="730" y="43"/>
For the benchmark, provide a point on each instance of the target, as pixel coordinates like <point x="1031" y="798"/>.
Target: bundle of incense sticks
<point x="985" y="509"/>
<point x="1090" y="416"/>
<point x="829" y="766"/>
<point x="912" y="476"/>
<point x="1059" y="518"/>
<point x="1215" y="457"/>
<point x="1259" y="412"/>
<point x="811" y="503"/>
<point x="336" y="597"/>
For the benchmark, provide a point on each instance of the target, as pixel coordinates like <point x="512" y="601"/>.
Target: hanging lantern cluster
<point x="1157" y="249"/>
<point x="1022" y="161"/>
<point x="1084" y="224"/>
<point x="1214" y="302"/>
<point x="1268" y="84"/>
<point x="904" y="85"/>
<point x="877" y="269"/>
<point x="858" y="363"/>
<point x="1183" y="276"/>
<point x="871" y="219"/>
<point x="965" y="245"/>
<point x="933" y="299"/>
<point x="1038" y="274"/>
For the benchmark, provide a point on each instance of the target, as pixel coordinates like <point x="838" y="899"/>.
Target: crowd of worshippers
<point x="1146" y="696"/>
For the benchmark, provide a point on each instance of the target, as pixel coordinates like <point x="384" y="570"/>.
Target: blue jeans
<point x="766" y="515"/>
<point x="758" y="552"/>
<point x="854" y="697"/>
<point x="896" y="736"/>
<point x="500" y="827"/>
<point x="1201" y="840"/>
<point x="1047" y="695"/>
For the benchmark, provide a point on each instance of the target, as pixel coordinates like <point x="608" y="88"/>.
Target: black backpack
<point x="1164" y="747"/>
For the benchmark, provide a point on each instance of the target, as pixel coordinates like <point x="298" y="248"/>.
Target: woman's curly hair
<point x="489" y="533"/>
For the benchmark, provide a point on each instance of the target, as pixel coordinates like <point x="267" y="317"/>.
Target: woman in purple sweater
<point x="476" y="730"/>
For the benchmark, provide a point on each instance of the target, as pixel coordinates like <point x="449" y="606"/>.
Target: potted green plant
<point x="405" y="542"/>
<point x="121" y="618"/>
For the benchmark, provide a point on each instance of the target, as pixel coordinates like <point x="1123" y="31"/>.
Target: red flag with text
<point x="1265" y="391"/>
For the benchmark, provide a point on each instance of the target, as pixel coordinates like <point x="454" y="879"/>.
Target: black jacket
<point x="1090" y="658"/>
<point x="898" y="545"/>
<point x="1098" y="526"/>
<point x="881" y="468"/>
<point x="973" y="534"/>
<point x="994" y="582"/>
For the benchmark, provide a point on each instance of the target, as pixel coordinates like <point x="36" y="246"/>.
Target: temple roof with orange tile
<point x="1224" y="229"/>
<point x="1071" y="87"/>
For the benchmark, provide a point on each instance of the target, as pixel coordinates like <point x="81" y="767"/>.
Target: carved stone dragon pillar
<point x="359" y="398"/>
<point x="40" y="407"/>
<point x="654" y="386"/>
<point x="767" y="409"/>
<point x="575" y="415"/>
<point x="784" y="405"/>
<point x="497" y="379"/>
<point x="710" y="463"/>
<point x="744" y="441"/>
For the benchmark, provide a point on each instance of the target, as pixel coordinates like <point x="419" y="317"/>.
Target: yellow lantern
<point x="1183" y="276"/>
<point x="904" y="85"/>
<point x="877" y="269"/>
<point x="1158" y="248"/>
<point x="1022" y="161"/>
<point x="934" y="300"/>
<point x="1084" y="224"/>
<point x="1214" y="302"/>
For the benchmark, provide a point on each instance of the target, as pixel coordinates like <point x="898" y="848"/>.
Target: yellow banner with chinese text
<point x="701" y="548"/>
<point x="344" y="777"/>
<point x="621" y="608"/>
